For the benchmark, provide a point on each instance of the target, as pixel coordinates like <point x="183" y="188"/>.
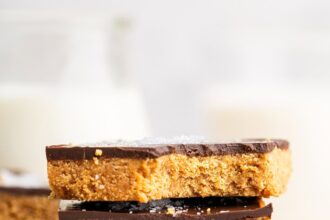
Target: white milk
<point x="30" y="119"/>
<point x="88" y="98"/>
<point x="299" y="114"/>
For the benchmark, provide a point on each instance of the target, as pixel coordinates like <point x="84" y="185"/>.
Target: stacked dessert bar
<point x="24" y="197"/>
<point x="180" y="179"/>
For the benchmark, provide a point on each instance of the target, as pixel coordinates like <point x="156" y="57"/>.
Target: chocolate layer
<point x="82" y="152"/>
<point x="25" y="191"/>
<point x="215" y="208"/>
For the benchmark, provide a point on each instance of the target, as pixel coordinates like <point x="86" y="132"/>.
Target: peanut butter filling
<point x="170" y="176"/>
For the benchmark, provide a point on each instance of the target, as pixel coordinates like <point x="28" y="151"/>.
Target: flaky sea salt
<point x="150" y="141"/>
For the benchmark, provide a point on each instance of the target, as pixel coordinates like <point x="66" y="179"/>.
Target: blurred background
<point x="83" y="71"/>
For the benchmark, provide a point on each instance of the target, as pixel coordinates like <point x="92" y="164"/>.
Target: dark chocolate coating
<point x="68" y="152"/>
<point x="25" y="191"/>
<point x="195" y="208"/>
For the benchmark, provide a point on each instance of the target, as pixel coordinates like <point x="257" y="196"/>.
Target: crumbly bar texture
<point x="170" y="176"/>
<point x="27" y="207"/>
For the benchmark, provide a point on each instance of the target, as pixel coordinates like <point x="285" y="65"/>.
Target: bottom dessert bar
<point x="215" y="208"/>
<point x="27" y="204"/>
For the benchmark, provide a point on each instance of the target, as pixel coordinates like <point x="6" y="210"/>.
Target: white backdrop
<point x="174" y="53"/>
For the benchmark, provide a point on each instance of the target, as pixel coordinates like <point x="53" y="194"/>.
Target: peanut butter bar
<point x="210" y="208"/>
<point x="23" y="199"/>
<point x="27" y="204"/>
<point x="142" y="171"/>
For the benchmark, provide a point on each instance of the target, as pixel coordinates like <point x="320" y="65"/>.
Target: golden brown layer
<point x="170" y="176"/>
<point x="21" y="207"/>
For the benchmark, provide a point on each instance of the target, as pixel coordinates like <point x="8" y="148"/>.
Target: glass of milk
<point x="300" y="114"/>
<point x="82" y="101"/>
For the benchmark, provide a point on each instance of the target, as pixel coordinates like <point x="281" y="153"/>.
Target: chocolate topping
<point x="216" y="208"/>
<point x="83" y="152"/>
<point x="25" y="191"/>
